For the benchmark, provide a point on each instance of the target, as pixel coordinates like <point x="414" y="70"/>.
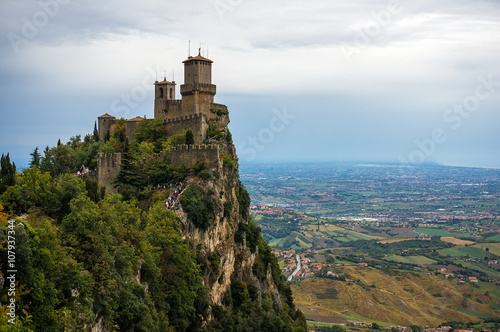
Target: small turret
<point x="164" y="94"/>
<point x="105" y="122"/>
<point x="165" y="90"/>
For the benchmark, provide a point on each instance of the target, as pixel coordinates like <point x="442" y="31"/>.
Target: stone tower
<point x="164" y="98"/>
<point x="197" y="91"/>
<point x="105" y="122"/>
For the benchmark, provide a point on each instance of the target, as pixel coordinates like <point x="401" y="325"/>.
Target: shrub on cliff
<point x="243" y="199"/>
<point x="198" y="206"/>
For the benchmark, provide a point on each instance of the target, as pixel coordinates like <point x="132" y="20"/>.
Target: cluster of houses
<point x="308" y="269"/>
<point x="462" y="279"/>
<point x="266" y="209"/>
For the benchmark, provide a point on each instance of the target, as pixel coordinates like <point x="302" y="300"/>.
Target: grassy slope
<point x="403" y="299"/>
<point x="417" y="260"/>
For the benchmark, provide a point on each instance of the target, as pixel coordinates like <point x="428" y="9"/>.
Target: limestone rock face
<point x="236" y="259"/>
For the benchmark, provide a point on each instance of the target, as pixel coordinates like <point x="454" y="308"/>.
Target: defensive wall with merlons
<point x="109" y="164"/>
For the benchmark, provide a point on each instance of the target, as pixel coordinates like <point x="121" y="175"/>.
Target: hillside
<point x="398" y="298"/>
<point x="125" y="261"/>
<point x="141" y="226"/>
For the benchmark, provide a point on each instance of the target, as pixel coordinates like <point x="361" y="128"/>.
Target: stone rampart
<point x="108" y="166"/>
<point x="188" y="155"/>
<point x="196" y="122"/>
<point x="167" y="109"/>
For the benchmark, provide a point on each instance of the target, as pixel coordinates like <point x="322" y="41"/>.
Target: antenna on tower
<point x="189" y="50"/>
<point x="173" y="75"/>
<point x="165" y="77"/>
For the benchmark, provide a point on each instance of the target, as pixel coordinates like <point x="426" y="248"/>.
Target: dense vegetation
<point x="83" y="257"/>
<point x="88" y="261"/>
<point x="198" y="206"/>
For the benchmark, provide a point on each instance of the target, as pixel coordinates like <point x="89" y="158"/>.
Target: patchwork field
<point x="433" y="231"/>
<point x="394" y="299"/>
<point x="494" y="248"/>
<point x="416" y="260"/>
<point x="473" y="252"/>
<point x="456" y="241"/>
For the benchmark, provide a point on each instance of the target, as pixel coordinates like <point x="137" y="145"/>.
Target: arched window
<point x="171" y="93"/>
<point x="161" y="92"/>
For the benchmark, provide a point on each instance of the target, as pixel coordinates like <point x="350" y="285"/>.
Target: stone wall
<point x="196" y="122"/>
<point x="108" y="166"/>
<point x="188" y="155"/>
<point x="165" y="109"/>
<point x="104" y="126"/>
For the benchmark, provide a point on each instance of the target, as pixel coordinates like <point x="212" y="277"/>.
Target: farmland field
<point x="495" y="238"/>
<point x="494" y="248"/>
<point x="433" y="231"/>
<point x="417" y="260"/>
<point x="456" y="241"/>
<point x="473" y="252"/>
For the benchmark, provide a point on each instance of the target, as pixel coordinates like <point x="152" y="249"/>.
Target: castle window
<point x="161" y="92"/>
<point x="171" y="93"/>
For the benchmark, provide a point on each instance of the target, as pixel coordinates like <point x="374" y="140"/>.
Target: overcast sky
<point x="325" y="80"/>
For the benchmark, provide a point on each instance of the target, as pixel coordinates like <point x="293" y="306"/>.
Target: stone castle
<point x="196" y="111"/>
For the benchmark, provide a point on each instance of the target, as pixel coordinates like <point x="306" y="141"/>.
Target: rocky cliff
<point x="235" y="259"/>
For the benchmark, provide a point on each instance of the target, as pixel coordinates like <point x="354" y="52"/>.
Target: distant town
<point x="343" y="228"/>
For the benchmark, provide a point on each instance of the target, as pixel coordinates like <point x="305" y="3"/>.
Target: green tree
<point x="37" y="189"/>
<point x="93" y="190"/>
<point x="66" y="188"/>
<point x="95" y="133"/>
<point x="174" y="140"/>
<point x="243" y="199"/>
<point x="129" y="174"/>
<point x="214" y="132"/>
<point x="36" y="158"/>
<point x="152" y="131"/>
<point x="118" y="130"/>
<point x="198" y="206"/>
<point x="7" y="173"/>
<point x="189" y="137"/>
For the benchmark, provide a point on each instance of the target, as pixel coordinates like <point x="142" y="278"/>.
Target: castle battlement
<point x="187" y="155"/>
<point x="183" y="118"/>
<point x="196" y="147"/>
<point x="173" y="102"/>
<point x="108" y="159"/>
<point x="190" y="88"/>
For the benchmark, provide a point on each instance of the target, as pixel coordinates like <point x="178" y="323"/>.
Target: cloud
<point x="288" y="53"/>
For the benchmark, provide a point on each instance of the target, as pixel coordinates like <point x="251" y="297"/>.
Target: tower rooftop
<point x="197" y="58"/>
<point x="164" y="82"/>
<point x="106" y="115"/>
<point x="136" y="119"/>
